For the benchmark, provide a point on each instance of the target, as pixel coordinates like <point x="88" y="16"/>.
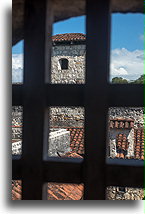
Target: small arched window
<point x="63" y="64"/>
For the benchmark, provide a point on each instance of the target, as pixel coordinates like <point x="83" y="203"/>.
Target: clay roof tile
<point x="69" y="37"/>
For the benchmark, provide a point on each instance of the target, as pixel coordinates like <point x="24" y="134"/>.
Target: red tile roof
<point x="120" y="155"/>
<point x="139" y="143"/>
<point x="69" y="37"/>
<point x="121" y="145"/>
<point x="59" y="191"/>
<point x="122" y="142"/>
<point x="16" y="190"/>
<point x="77" y="140"/>
<point x="121" y="123"/>
<point x="56" y="191"/>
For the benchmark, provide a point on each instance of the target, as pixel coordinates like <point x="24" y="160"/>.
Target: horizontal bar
<point x="124" y="162"/>
<point x="119" y="172"/>
<point x="65" y="95"/>
<point x="17" y="95"/>
<point x="56" y="95"/>
<point x="67" y="170"/>
<point x="63" y="170"/>
<point x="125" y="173"/>
<point x="127" y="95"/>
<point x="16" y="167"/>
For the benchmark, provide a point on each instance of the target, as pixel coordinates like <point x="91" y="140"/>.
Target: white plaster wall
<point x="130" y="136"/>
<point x="59" y="141"/>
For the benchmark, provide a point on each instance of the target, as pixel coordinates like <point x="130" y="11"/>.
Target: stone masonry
<point x="61" y="117"/>
<point x="75" y="54"/>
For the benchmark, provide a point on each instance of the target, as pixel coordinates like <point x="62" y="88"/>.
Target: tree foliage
<point x="119" y="80"/>
<point x="140" y="80"/>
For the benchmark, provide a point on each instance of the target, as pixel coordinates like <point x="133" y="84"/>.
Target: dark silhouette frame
<point x="96" y="171"/>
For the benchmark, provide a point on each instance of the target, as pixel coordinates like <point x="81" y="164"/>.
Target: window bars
<point x="34" y="167"/>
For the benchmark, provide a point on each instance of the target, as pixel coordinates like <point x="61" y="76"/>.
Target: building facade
<point x="125" y="125"/>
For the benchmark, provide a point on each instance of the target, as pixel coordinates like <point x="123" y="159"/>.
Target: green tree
<point x="119" y="80"/>
<point x="140" y="80"/>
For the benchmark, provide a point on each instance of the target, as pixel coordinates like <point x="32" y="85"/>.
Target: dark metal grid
<point x="96" y="96"/>
<point x="37" y="50"/>
<point x="96" y="103"/>
<point x="118" y="95"/>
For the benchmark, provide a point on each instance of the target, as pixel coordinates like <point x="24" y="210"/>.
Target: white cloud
<point x="17" y="61"/>
<point x="127" y="64"/>
<point x="141" y="37"/>
<point x="17" y="75"/>
<point x="17" y="68"/>
<point x="124" y="63"/>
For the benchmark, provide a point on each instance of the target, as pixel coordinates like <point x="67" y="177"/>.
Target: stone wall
<point x="17" y="120"/>
<point x="17" y="133"/>
<point x="75" y="54"/>
<point x="17" y="148"/>
<point x="136" y="113"/>
<point x="67" y="117"/>
<point x="59" y="141"/>
<point x="114" y="193"/>
<point x="59" y="117"/>
<point x="74" y="117"/>
<point x="17" y="115"/>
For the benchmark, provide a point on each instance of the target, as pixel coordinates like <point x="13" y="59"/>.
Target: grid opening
<point x="68" y="53"/>
<point x="127" y="49"/>
<point x="96" y="83"/>
<point x="16" y="190"/>
<point x="66" y="133"/>
<point x="126" y="133"/>
<point x="124" y="193"/>
<point x="125" y="141"/>
<point x="17" y="63"/>
<point x="17" y="121"/>
<point x="63" y="191"/>
<point x="55" y="191"/>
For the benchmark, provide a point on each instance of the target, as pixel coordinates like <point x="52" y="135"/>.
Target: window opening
<point x="63" y="64"/>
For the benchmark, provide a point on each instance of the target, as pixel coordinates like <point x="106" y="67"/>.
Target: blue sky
<point x="126" y="42"/>
<point x="127" y="31"/>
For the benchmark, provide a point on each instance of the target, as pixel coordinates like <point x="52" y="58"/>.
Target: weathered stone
<point x="59" y="141"/>
<point x="74" y="116"/>
<point x="113" y="193"/>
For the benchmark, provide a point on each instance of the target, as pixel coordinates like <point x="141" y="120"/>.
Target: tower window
<point x="122" y="189"/>
<point x="63" y="64"/>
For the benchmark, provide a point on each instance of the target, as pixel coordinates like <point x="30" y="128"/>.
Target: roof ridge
<point x="69" y="37"/>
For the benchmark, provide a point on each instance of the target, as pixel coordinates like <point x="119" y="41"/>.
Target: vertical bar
<point x="34" y="122"/>
<point x="96" y="101"/>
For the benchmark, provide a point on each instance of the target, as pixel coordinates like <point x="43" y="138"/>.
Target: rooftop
<point x="121" y="123"/>
<point x="56" y="191"/>
<point x="60" y="191"/>
<point x="69" y="37"/>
